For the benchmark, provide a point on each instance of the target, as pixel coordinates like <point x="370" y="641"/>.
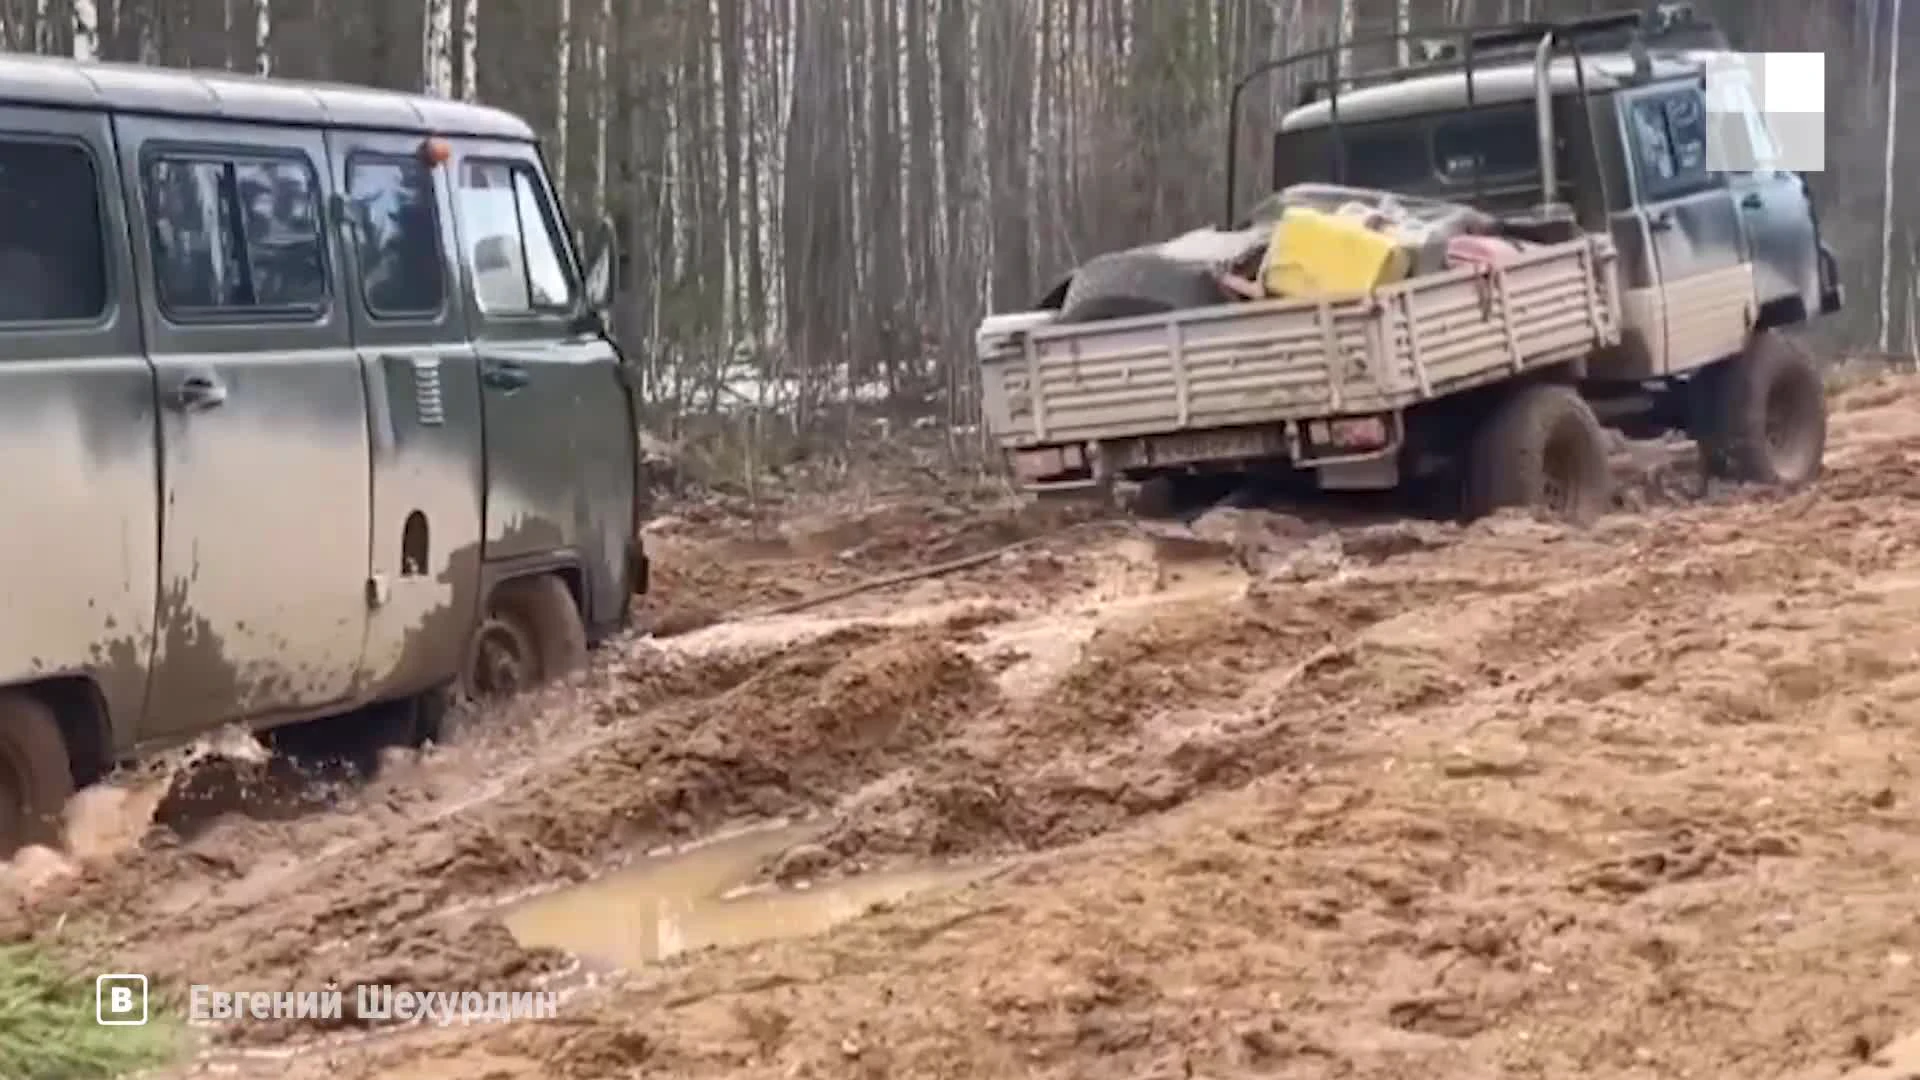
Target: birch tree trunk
<point x="1886" y="203"/>
<point x="563" y="70"/>
<point x="470" y="51"/>
<point x="1346" y="24"/>
<point x="602" y="105"/>
<point x="263" y="36"/>
<point x="436" y="60"/>
<point x="86" y="30"/>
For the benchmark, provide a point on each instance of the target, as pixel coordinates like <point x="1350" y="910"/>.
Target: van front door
<point x="263" y="428"/>
<point x="423" y="395"/>
<point x="559" y="442"/>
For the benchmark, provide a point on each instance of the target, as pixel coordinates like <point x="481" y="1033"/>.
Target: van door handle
<point x="501" y="375"/>
<point x="199" y="392"/>
<point x="1752" y="201"/>
<point x="1661" y="221"/>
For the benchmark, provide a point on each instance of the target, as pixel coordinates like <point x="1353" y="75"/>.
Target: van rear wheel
<point x="532" y="635"/>
<point x="36" y="777"/>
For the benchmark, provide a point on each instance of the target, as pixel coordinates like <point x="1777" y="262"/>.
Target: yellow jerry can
<point x="1316" y="254"/>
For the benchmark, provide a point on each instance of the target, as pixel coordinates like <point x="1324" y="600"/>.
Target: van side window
<point x="235" y="234"/>
<point x="514" y="251"/>
<point x="53" y="265"/>
<point x="397" y="236"/>
<point x="1670" y="142"/>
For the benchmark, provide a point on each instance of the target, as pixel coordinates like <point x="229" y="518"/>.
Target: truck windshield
<point x="1436" y="154"/>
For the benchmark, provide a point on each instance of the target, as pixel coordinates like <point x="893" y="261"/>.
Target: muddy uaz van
<point x="308" y="411"/>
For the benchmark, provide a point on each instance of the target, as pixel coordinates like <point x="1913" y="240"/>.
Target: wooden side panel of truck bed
<point x="1253" y="363"/>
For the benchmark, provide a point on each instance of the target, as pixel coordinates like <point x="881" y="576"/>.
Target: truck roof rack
<point x="1464" y="48"/>
<point x="1668" y="26"/>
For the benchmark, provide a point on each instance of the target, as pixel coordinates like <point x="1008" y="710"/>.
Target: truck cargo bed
<point x="1237" y="364"/>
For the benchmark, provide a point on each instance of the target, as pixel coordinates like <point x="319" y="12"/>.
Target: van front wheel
<point x="35" y="776"/>
<point x="532" y="634"/>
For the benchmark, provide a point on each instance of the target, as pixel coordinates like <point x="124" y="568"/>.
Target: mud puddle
<point x="711" y="896"/>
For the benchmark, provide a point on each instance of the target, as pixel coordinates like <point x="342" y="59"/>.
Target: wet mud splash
<point x="225" y="771"/>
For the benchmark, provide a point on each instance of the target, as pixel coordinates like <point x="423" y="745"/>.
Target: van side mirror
<point x="603" y="268"/>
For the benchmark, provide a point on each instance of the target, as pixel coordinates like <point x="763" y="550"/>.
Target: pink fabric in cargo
<point x="1480" y="251"/>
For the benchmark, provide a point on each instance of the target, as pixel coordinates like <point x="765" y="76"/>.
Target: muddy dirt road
<point x="1390" y="800"/>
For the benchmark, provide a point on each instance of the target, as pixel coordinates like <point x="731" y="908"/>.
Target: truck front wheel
<point x="1761" y="417"/>
<point x="1541" y="448"/>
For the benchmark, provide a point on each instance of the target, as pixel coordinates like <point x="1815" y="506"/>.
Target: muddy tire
<point x="1155" y="498"/>
<point x="1128" y="283"/>
<point x="36" y="777"/>
<point x="532" y="635"/>
<point x="440" y="714"/>
<point x="1761" y="417"/>
<point x="1543" y="449"/>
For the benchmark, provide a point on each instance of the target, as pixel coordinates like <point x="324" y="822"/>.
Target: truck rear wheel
<point x="1155" y="497"/>
<point x="1128" y="283"/>
<point x="1540" y="448"/>
<point x="532" y="634"/>
<point x="36" y="777"/>
<point x="1761" y="417"/>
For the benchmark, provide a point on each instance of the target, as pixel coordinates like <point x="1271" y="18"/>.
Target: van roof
<point x="134" y="88"/>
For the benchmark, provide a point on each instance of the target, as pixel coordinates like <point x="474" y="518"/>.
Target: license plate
<point x="1205" y="446"/>
<point x="1047" y="461"/>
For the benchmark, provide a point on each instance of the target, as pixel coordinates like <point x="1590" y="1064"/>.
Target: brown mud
<point x="1282" y="798"/>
